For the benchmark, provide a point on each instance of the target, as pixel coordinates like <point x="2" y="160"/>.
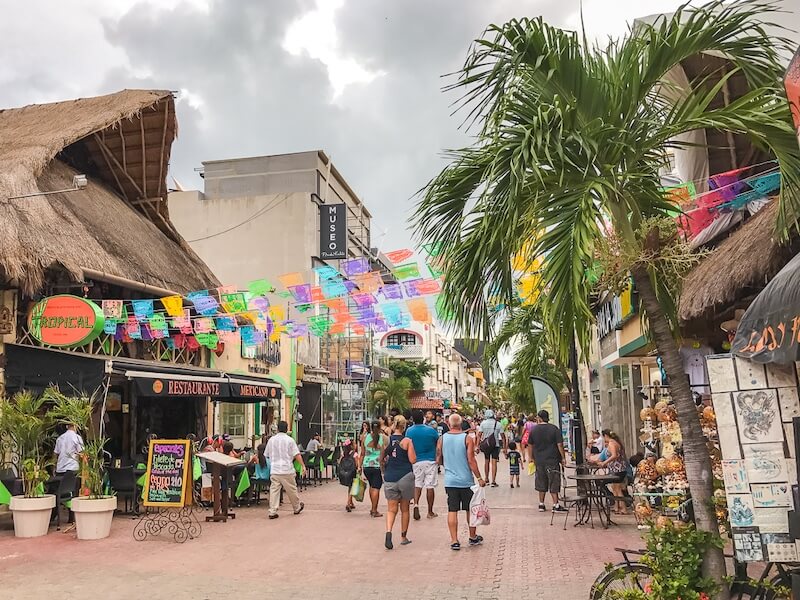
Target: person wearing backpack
<point x="348" y="469"/>
<point x="489" y="442"/>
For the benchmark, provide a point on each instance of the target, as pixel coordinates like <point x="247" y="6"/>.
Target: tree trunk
<point x="696" y="456"/>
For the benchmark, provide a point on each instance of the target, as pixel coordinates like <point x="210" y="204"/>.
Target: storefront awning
<point x="33" y="368"/>
<point x="218" y="386"/>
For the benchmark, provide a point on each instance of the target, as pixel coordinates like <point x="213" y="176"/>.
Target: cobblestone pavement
<point x="322" y="553"/>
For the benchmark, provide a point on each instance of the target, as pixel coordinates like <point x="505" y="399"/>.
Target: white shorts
<point x="426" y="474"/>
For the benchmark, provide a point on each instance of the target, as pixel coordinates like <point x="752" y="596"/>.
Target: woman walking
<point x="373" y="444"/>
<point x="398" y="488"/>
<point x="348" y="470"/>
<point x="616" y="464"/>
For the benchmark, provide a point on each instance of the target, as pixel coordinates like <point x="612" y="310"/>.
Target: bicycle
<point x="631" y="575"/>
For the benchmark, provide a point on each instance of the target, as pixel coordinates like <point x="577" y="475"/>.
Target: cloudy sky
<point x="360" y="79"/>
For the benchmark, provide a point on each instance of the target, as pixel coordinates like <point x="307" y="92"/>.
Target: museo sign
<point x="333" y="231"/>
<point x="65" y="321"/>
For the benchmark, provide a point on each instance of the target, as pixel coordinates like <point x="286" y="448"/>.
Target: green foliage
<point x="522" y="328"/>
<point x="388" y="394"/>
<point x="675" y="554"/>
<point x="92" y="461"/>
<point x="571" y="137"/>
<point x="77" y="410"/>
<point x="411" y="370"/>
<point x="27" y="428"/>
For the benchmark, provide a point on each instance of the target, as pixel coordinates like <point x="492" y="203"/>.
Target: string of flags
<point x="351" y="300"/>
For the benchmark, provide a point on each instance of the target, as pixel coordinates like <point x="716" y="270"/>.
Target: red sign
<point x="65" y="321"/>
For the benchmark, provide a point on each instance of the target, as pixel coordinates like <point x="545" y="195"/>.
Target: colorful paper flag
<point x="355" y="266"/>
<point x="133" y="328"/>
<point x="301" y="293"/>
<point x="184" y="323"/>
<point x="419" y="310"/>
<point x="319" y="325"/>
<point x="233" y="303"/>
<point x="398" y="256"/>
<point x="410" y="288"/>
<point x="363" y="300"/>
<point x="369" y="283"/>
<point x="392" y="291"/>
<point x="326" y="272"/>
<point x="112" y="310"/>
<point x="173" y="305"/>
<point x="110" y="327"/>
<point x="209" y="340"/>
<point x="334" y="289"/>
<point x="143" y="309"/>
<point x="428" y="286"/>
<point x="407" y="271"/>
<point x="225" y="324"/>
<point x="205" y="305"/>
<point x="259" y="287"/>
<point x="291" y="279"/>
<point x="203" y="325"/>
<point x="258" y="303"/>
<point x="191" y="343"/>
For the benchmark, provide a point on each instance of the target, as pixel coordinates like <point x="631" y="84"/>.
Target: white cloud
<point x="314" y="34"/>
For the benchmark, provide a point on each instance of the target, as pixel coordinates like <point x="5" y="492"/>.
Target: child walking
<point x="514" y="459"/>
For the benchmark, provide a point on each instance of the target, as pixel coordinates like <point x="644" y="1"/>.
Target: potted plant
<point x="93" y="508"/>
<point x="28" y="427"/>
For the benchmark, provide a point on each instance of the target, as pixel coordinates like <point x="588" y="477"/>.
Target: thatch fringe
<point x="745" y="260"/>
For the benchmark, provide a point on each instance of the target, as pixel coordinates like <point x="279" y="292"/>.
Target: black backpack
<point x="347" y="468"/>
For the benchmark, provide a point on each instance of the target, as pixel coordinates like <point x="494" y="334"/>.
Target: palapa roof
<point x="119" y="224"/>
<point x="743" y="262"/>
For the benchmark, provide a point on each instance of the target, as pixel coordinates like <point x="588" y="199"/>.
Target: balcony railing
<point x="411" y="351"/>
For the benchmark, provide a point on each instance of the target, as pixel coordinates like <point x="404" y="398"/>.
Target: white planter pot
<point x="93" y="516"/>
<point x="32" y="515"/>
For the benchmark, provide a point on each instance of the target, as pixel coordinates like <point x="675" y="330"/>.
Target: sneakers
<point x="542" y="507"/>
<point x="417" y="516"/>
<point x="299" y="510"/>
<point x="273" y="516"/>
<point x="476" y="541"/>
<point x="558" y="509"/>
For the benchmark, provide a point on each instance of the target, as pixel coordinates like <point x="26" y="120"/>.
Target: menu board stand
<point x="168" y="493"/>
<point x="221" y="466"/>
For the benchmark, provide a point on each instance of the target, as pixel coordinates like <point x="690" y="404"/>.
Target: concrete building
<point x="454" y="379"/>
<point x="259" y="217"/>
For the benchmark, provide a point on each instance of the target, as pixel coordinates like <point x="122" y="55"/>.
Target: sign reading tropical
<point x="65" y="321"/>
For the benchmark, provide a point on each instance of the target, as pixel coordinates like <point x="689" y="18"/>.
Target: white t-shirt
<point x="68" y="445"/>
<point x="489" y="426"/>
<point x="281" y="450"/>
<point x="313" y="445"/>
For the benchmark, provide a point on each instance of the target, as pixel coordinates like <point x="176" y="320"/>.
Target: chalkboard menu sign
<point x="168" y="473"/>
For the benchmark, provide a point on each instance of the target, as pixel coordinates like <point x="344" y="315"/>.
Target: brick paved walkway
<point x="325" y="553"/>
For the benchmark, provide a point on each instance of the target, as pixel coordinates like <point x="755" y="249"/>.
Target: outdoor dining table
<point x="596" y="497"/>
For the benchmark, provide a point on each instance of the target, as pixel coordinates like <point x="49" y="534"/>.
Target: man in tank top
<point x="457" y="451"/>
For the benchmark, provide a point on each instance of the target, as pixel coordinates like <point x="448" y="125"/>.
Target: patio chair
<point x="123" y="482"/>
<point x="570" y="497"/>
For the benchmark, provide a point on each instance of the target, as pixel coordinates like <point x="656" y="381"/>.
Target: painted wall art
<point x="771" y="495"/>
<point x="721" y="373"/>
<point x="735" y="477"/>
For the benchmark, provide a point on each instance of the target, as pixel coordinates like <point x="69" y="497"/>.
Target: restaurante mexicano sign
<point x="65" y="321"/>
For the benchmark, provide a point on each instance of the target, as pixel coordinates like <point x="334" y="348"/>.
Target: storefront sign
<point x="65" y="321"/>
<point x="613" y="313"/>
<point x="167" y="474"/>
<point x="248" y="390"/>
<point x="180" y="387"/>
<point x="333" y="231"/>
<point x="219" y="390"/>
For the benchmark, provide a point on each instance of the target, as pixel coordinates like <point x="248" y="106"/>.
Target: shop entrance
<point x="169" y="418"/>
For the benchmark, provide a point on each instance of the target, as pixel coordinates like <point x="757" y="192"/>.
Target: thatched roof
<point x="746" y="260"/>
<point x="119" y="224"/>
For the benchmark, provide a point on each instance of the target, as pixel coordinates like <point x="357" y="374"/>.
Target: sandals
<point x="375" y="513"/>
<point x="348" y="508"/>
<point x="405" y="541"/>
<point x="455" y="546"/>
<point x="432" y="515"/>
<point x="388" y="542"/>
<point x="416" y="513"/>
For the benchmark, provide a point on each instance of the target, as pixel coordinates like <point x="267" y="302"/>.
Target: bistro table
<point x="596" y="498"/>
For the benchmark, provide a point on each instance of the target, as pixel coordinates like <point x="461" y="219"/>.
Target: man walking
<point x="548" y="454"/>
<point x="282" y="451"/>
<point x="489" y="441"/>
<point x="426" y="469"/>
<point x="457" y="450"/>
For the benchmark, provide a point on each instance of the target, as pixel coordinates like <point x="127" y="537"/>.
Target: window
<point x="232" y="417"/>
<point x="401" y="339"/>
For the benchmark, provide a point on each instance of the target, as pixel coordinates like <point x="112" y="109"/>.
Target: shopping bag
<point x="531" y="468"/>
<point x="357" y="489"/>
<point x="478" y="511"/>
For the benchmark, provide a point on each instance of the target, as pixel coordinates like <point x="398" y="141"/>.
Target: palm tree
<point x="570" y="140"/>
<point x="390" y="393"/>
